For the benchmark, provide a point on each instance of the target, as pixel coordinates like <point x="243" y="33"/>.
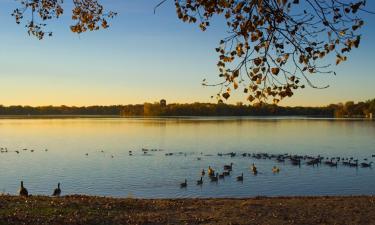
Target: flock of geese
<point x="5" y="150"/>
<point x="296" y="160"/>
<point x="215" y="177"/>
<point x="24" y="193"/>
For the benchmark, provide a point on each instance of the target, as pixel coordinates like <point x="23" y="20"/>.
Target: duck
<point x="228" y="167"/>
<point x="23" y="191"/>
<point x="184" y="184"/>
<point x="240" y="178"/>
<point x="214" y="178"/>
<point x="57" y="191"/>
<point x="200" y="182"/>
<point x="275" y="169"/>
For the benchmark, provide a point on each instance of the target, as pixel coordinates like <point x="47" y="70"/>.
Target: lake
<point x="91" y="156"/>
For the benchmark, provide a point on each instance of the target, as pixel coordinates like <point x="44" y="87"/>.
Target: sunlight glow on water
<point x="158" y="176"/>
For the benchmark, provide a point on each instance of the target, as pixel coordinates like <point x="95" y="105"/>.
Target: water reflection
<point x="114" y="172"/>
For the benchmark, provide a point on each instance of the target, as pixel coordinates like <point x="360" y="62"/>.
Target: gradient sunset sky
<point x="144" y="57"/>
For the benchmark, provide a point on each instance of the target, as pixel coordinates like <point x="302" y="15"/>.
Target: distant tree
<point x="273" y="47"/>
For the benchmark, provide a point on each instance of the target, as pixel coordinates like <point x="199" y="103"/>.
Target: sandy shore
<point x="262" y="210"/>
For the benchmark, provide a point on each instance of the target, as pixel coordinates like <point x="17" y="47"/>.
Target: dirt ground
<point x="88" y="210"/>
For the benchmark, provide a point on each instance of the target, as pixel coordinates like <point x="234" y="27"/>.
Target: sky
<point x="144" y="57"/>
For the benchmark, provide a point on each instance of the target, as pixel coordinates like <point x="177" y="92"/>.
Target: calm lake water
<point x="154" y="175"/>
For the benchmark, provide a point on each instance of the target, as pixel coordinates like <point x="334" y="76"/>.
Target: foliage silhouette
<point x="273" y="47"/>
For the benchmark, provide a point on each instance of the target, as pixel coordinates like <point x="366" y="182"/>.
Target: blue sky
<point x="144" y="57"/>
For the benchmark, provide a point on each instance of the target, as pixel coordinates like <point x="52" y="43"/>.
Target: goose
<point x="87" y="154"/>
<point x="211" y="172"/>
<point x="228" y="167"/>
<point x="57" y="191"/>
<point x="275" y="169"/>
<point x="184" y="184"/>
<point x="240" y="178"/>
<point x="203" y="172"/>
<point x="23" y="191"/>
<point x="214" y="178"/>
<point x="354" y="164"/>
<point x="226" y="173"/>
<point x="366" y="164"/>
<point x="200" y="182"/>
<point x="17" y="151"/>
<point x="254" y="169"/>
<point x="221" y="176"/>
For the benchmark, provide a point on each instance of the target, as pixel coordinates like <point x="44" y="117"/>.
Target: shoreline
<point x="182" y="117"/>
<point x="80" y="209"/>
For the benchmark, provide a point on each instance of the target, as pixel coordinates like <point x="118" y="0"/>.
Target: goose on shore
<point x="200" y="181"/>
<point x="23" y="191"/>
<point x="184" y="184"/>
<point x="240" y="178"/>
<point x="57" y="191"/>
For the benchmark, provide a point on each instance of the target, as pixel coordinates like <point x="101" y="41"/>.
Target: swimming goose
<point x="228" y="167"/>
<point x="211" y="172"/>
<point x="275" y="169"/>
<point x="226" y="173"/>
<point x="214" y="178"/>
<point x="200" y="182"/>
<point x="254" y="169"/>
<point x="23" y="191"/>
<point x="240" y="178"/>
<point x="203" y="172"/>
<point x="184" y="184"/>
<point x="221" y="176"/>
<point x="366" y="164"/>
<point x="57" y="191"/>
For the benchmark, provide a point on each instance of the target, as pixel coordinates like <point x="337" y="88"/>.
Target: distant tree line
<point x="61" y="110"/>
<point x="348" y="109"/>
